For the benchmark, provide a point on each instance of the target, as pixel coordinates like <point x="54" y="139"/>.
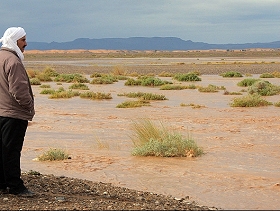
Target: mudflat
<point x="240" y="167"/>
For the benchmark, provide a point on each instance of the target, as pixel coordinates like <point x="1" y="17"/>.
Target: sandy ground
<point x="240" y="169"/>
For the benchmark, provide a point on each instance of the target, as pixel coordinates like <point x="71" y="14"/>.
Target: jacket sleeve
<point x="19" y="86"/>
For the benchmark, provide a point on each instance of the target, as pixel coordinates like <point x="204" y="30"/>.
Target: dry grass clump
<point x="54" y="154"/>
<point x="35" y="81"/>
<point x="192" y="105"/>
<point x="152" y="140"/>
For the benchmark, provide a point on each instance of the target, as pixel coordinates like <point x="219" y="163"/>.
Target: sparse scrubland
<point x="66" y="81"/>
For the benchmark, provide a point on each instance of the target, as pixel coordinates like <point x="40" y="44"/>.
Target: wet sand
<point x="240" y="169"/>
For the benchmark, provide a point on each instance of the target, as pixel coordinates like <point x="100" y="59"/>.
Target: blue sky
<point x="211" y="21"/>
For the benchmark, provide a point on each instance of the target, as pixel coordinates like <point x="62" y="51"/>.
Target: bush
<point x="104" y="79"/>
<point x="144" y="96"/>
<point x="187" y="77"/>
<point x="211" y="88"/>
<point x="54" y="154"/>
<point x="230" y="74"/>
<point x="71" y="78"/>
<point x="267" y="75"/>
<point x="177" y="87"/>
<point x="35" y="81"/>
<point x="247" y="82"/>
<point x="133" y="104"/>
<point x="254" y="100"/>
<point x="151" y="140"/>
<point x="96" y="95"/>
<point x="145" y="81"/>
<point x="264" y="88"/>
<point x="80" y="86"/>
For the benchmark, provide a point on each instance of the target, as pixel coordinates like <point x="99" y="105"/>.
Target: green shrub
<point x="43" y="77"/>
<point x="145" y="81"/>
<point x="254" y="100"/>
<point x="151" y="140"/>
<point x="231" y="93"/>
<point x="47" y="91"/>
<point x="133" y="104"/>
<point x="144" y="96"/>
<point x="35" y="81"/>
<point x="96" y="95"/>
<point x="71" y="78"/>
<point x="211" y="88"/>
<point x="61" y="93"/>
<point x="177" y="87"/>
<point x="247" y="82"/>
<point x="53" y="154"/>
<point x="267" y="75"/>
<point x="104" y="79"/>
<point x="45" y="86"/>
<point x="230" y="74"/>
<point x="264" y="88"/>
<point x="80" y="86"/>
<point x="187" y="77"/>
<point x="277" y="104"/>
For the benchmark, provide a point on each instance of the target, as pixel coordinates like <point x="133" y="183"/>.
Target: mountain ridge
<point x="143" y="43"/>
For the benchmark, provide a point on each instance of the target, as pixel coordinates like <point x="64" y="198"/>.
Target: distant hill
<point x="142" y="43"/>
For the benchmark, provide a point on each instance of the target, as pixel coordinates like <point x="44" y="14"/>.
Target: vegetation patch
<point x="253" y="100"/>
<point x="35" y="81"/>
<point x="80" y="86"/>
<point x="71" y="78"/>
<point x="150" y="139"/>
<point x="187" y="77"/>
<point x="267" y="75"/>
<point x="96" y="95"/>
<point x="264" y="88"/>
<point x="54" y="154"/>
<point x="232" y="93"/>
<point x="133" y="104"/>
<point x="211" y="88"/>
<point x="61" y="93"/>
<point x="144" y="96"/>
<point x="177" y="87"/>
<point x="192" y="105"/>
<point x="146" y="81"/>
<point x="231" y="74"/>
<point x="247" y="82"/>
<point x="104" y="79"/>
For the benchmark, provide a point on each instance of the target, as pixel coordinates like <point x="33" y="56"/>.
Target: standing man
<point x="16" y="109"/>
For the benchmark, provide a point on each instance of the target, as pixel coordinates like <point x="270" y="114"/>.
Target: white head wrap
<point x="10" y="38"/>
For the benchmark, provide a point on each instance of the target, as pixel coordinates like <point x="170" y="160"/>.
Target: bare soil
<point x="240" y="169"/>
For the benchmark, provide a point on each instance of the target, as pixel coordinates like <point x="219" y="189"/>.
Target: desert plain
<point x="240" y="168"/>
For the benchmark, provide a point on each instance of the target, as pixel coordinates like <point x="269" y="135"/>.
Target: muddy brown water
<point x="239" y="170"/>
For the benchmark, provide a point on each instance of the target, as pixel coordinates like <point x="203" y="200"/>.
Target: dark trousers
<point x="12" y="132"/>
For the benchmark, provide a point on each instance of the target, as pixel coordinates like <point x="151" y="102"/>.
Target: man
<point x="16" y="109"/>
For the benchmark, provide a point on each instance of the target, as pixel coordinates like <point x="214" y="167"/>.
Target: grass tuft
<point x="54" y="154"/>
<point x="152" y="140"/>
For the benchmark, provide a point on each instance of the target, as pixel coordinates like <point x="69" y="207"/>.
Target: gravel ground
<point x="63" y="193"/>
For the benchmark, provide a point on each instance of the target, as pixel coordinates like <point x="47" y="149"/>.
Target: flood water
<point x="239" y="170"/>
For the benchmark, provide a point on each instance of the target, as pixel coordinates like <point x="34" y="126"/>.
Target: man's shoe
<point x="25" y="193"/>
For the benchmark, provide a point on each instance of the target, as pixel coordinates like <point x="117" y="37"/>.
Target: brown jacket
<point x="16" y="97"/>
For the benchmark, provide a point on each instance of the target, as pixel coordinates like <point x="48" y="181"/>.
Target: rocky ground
<point x="63" y="193"/>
